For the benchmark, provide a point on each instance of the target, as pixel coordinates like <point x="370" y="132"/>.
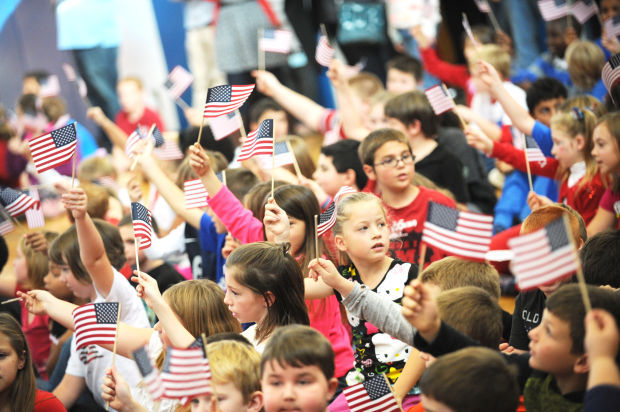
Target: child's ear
<point x="269" y="298"/>
<point x="414" y="128"/>
<point x="256" y="402"/>
<point x="332" y="386"/>
<point x="580" y="141"/>
<point x="339" y="241"/>
<point x="582" y="364"/>
<point x="350" y="178"/>
<point x="370" y="172"/>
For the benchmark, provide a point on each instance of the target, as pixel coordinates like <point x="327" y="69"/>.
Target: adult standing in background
<point x="91" y="31"/>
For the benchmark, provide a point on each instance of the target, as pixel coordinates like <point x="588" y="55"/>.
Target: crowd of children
<point x="290" y="320"/>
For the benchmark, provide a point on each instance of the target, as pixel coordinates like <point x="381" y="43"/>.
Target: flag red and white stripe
<point x="142" y="226"/>
<point x="195" y="194"/>
<point x="611" y="72"/>
<point x="553" y="9"/>
<point x="259" y="142"/>
<point x="224" y="126"/>
<point x="612" y="27"/>
<point x="276" y="41"/>
<point x="132" y="140"/>
<point x="544" y="256"/>
<point x="95" y="323"/>
<point x="6" y="226"/>
<point x="439" y="99"/>
<point x="16" y="202"/>
<point x="463" y="234"/>
<point x="327" y="219"/>
<point x="324" y="52"/>
<point x="150" y="375"/>
<point x="178" y="81"/>
<point x="375" y="394"/>
<point x="34" y="216"/>
<point x="225" y="99"/>
<point x="186" y="372"/>
<point x="54" y="148"/>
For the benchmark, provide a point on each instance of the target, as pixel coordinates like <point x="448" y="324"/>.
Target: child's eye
<point x="381" y="224"/>
<point x="304" y="382"/>
<point x="275" y="383"/>
<point x="363" y="228"/>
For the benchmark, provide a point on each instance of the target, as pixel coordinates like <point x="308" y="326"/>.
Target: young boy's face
<point x="545" y="109"/>
<point x="555" y="40"/>
<point x="327" y="176"/>
<point x="400" y="82"/>
<point x="609" y="8"/>
<point x="303" y="389"/>
<point x="392" y="178"/>
<point x="130" y="96"/>
<point x="550" y="346"/>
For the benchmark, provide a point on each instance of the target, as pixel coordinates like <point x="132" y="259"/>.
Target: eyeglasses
<point x="407" y="159"/>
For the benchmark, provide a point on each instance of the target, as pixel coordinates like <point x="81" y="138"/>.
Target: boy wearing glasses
<point x="412" y="114"/>
<point x="389" y="164"/>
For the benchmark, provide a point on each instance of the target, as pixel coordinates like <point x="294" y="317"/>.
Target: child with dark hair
<point x="600" y="259"/>
<point x="404" y="74"/>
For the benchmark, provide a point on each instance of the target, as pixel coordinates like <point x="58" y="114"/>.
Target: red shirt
<point x="148" y="118"/>
<point x="47" y="402"/>
<point x="456" y="75"/>
<point x="37" y="334"/>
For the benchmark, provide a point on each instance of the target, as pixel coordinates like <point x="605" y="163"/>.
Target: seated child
<point x="297" y="370"/>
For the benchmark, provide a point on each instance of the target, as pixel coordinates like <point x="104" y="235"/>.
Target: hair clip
<point x="577" y="113"/>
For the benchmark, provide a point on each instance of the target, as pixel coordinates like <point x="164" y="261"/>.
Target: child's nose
<point x="289" y="392"/>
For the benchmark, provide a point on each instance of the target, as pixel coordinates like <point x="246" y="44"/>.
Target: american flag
<point x="544" y="256"/>
<point x="463" y="234"/>
<point x="95" y="323"/>
<point x="483" y="6"/>
<point x="150" y="375"/>
<point x="327" y="219"/>
<point x="276" y="41"/>
<point x="534" y="154"/>
<point x="439" y="99"/>
<point x="611" y="72"/>
<point x="375" y="394"/>
<point x="282" y="155"/>
<point x="50" y="87"/>
<point x="260" y="141"/>
<point x="34" y="216"/>
<point x="225" y="99"/>
<point x="178" y="81"/>
<point x="16" y="202"/>
<point x="553" y="9"/>
<point x="195" y="194"/>
<point x="583" y="10"/>
<point x="612" y="27"/>
<point x="53" y="149"/>
<point x="186" y="372"/>
<point x="225" y="125"/>
<point x="142" y="227"/>
<point x="132" y="140"/>
<point x="6" y="226"/>
<point x="324" y="52"/>
<point x="165" y="149"/>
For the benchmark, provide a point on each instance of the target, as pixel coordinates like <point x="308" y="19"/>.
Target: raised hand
<point x="147" y="289"/>
<point x="75" y="201"/>
<point x="479" y="140"/>
<point x="277" y="225"/>
<point x="115" y="390"/>
<point x="420" y="309"/>
<point x="266" y="82"/>
<point x="37" y="301"/>
<point x="198" y="160"/>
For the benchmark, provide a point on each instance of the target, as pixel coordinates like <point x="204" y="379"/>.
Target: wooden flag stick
<point x="421" y="259"/>
<point x="493" y="19"/>
<point x="324" y="32"/>
<point x="135" y="160"/>
<point x="527" y="163"/>
<point x="400" y="406"/>
<point x="273" y="166"/>
<point x="261" y="53"/>
<point x="585" y="297"/>
<point x="73" y="169"/>
<point x="12" y="300"/>
<point x="118" y="317"/>
<point x="295" y="164"/>
<point x="316" y="235"/>
<point x="224" y="177"/>
<point x="135" y="243"/>
<point x="202" y="123"/>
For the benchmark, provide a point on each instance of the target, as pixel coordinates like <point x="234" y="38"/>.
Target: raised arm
<point x="520" y="117"/>
<point x="352" y="122"/>
<point x="601" y="344"/>
<point x="92" y="250"/>
<point x="168" y="189"/>
<point x="302" y="108"/>
<point x="41" y="302"/>
<point x="116" y="135"/>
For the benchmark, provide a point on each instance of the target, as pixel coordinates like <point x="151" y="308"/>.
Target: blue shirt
<point x="86" y="24"/>
<point x="542" y="135"/>
<point x="212" y="243"/>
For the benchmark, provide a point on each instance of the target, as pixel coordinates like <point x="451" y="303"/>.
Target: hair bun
<point x="286" y="247"/>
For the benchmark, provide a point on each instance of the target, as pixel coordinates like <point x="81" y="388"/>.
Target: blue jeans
<point x="98" y="68"/>
<point x="412" y="49"/>
<point x="527" y="32"/>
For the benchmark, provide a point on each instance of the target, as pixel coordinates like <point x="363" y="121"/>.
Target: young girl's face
<point x="244" y="304"/>
<point x="567" y="150"/>
<point x="10" y="363"/>
<point x="55" y="284"/>
<point x="80" y="289"/>
<point x="297" y="234"/>
<point x="20" y="267"/>
<point x="365" y="234"/>
<point x="605" y="150"/>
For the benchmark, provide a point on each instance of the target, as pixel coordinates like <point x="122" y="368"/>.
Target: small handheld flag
<point x="375" y="394"/>
<point x="276" y="41"/>
<point x="612" y="27"/>
<point x="34" y="216"/>
<point x="54" y="148"/>
<point x="534" y="154"/>
<point x="195" y="194"/>
<point x="6" y="226"/>
<point x="324" y="52"/>
<point x="544" y="256"/>
<point x="327" y="219"/>
<point x="95" y="323"/>
<point x="132" y="140"/>
<point x="15" y="202"/>
<point x="165" y="149"/>
<point x="186" y="372"/>
<point x="225" y="99"/>
<point x="225" y="125"/>
<point x="260" y="141"/>
<point x="150" y="375"/>
<point x="463" y="234"/>
<point x="611" y="72"/>
<point x="178" y="81"/>
<point x="439" y="99"/>
<point x="584" y="10"/>
<point x="142" y="227"/>
<point x="553" y="9"/>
